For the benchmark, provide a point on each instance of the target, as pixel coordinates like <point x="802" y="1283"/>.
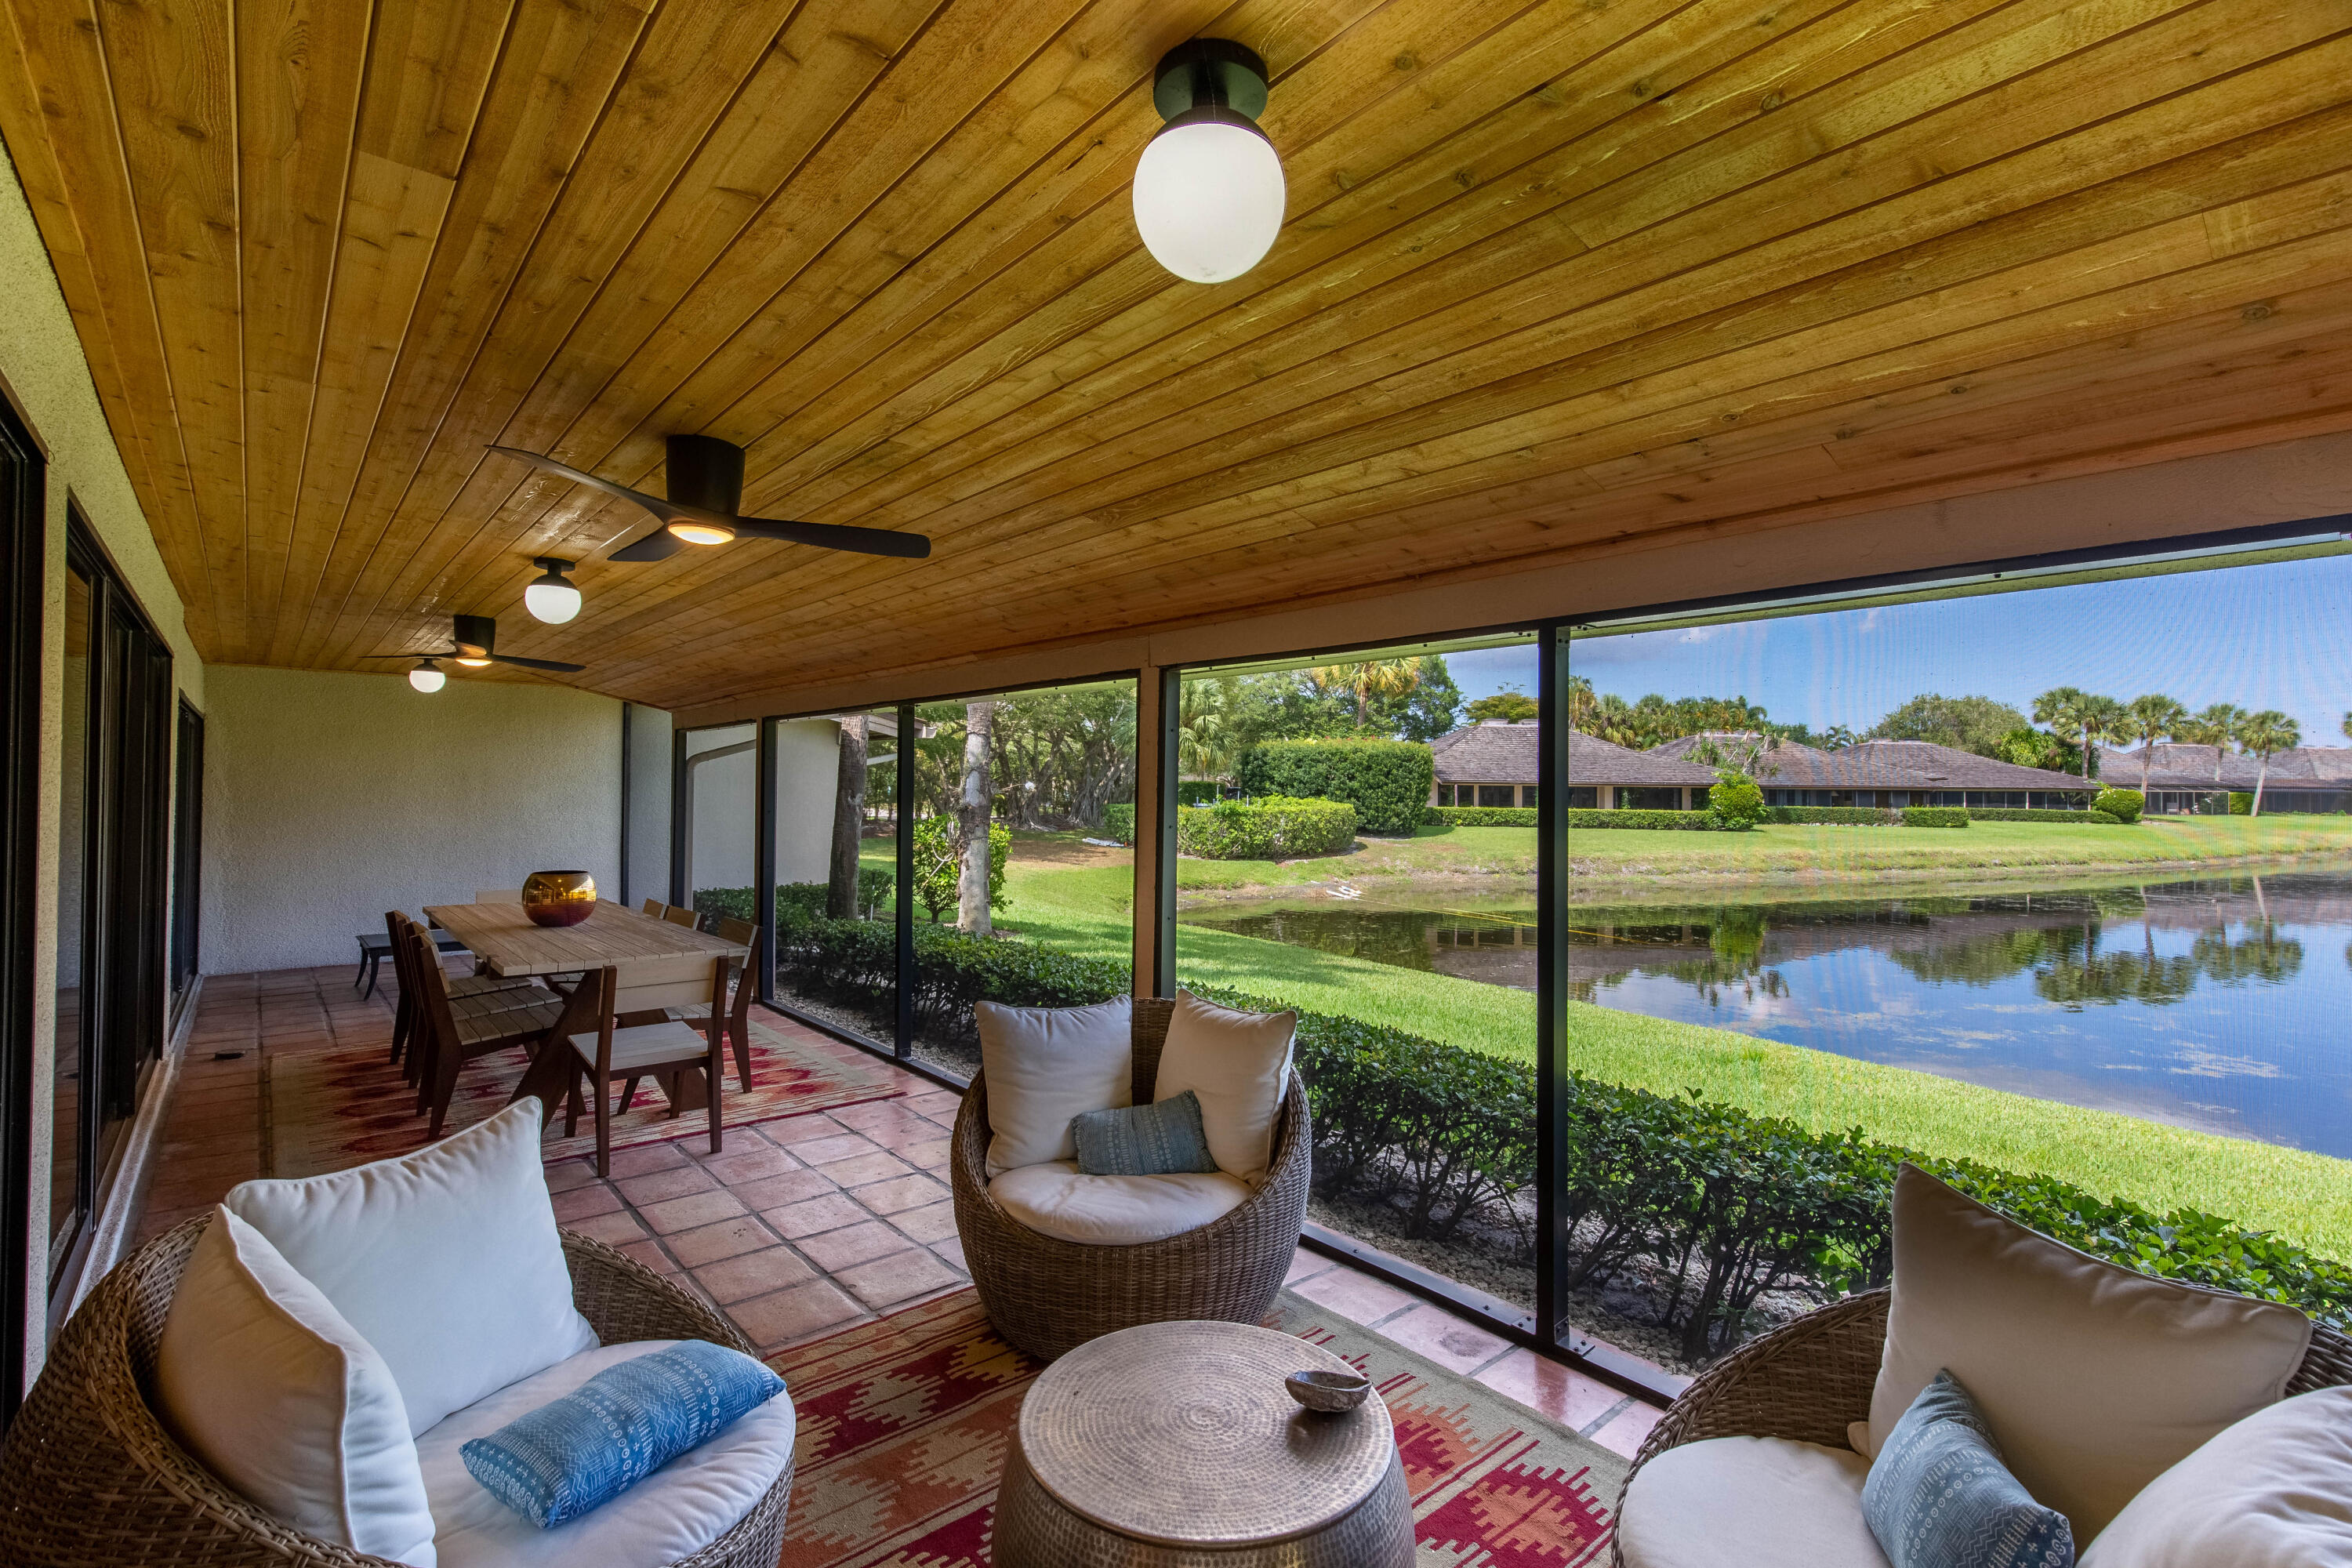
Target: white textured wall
<point x="649" y="785"/>
<point x="808" y="777"/>
<point x="330" y="798"/>
<point x="726" y="824"/>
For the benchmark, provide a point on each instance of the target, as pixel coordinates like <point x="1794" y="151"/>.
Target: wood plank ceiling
<point x="1555" y="276"/>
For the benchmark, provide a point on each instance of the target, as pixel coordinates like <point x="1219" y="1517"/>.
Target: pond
<point x="2223" y="1003"/>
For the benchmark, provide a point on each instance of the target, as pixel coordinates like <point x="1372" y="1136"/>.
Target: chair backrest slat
<point x="655" y="908"/>
<point x="678" y="916"/>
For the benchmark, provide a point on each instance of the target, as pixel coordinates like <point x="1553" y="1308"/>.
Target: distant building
<point x="1887" y="773"/>
<point x="2181" y="778"/>
<point x="1494" y="763"/>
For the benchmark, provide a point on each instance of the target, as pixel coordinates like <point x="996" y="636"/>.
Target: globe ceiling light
<point x="427" y="677"/>
<point x="551" y="597"/>
<point x="1209" y="196"/>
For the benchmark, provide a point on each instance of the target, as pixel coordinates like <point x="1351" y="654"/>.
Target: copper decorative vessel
<point x="559" y="897"/>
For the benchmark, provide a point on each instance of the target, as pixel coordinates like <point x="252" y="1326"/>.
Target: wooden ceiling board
<point x="1555" y="279"/>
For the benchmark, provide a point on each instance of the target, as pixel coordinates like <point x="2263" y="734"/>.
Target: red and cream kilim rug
<point x="904" y="1422"/>
<point x="343" y="1106"/>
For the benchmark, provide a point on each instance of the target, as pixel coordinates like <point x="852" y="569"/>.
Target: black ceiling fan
<point x="706" y="485"/>
<point x="476" y="640"/>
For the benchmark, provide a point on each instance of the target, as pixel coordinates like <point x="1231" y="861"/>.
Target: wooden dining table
<point x="639" y="946"/>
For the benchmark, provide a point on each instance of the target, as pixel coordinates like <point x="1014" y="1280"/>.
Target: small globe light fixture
<point x="1209" y="196"/>
<point x="552" y="596"/>
<point x="427" y="677"/>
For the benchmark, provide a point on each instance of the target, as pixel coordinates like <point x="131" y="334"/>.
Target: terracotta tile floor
<point x="800" y="1227"/>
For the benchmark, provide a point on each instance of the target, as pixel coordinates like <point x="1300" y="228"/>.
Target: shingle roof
<point x="1901" y="765"/>
<point x="1495" y="752"/>
<point x="2179" y="765"/>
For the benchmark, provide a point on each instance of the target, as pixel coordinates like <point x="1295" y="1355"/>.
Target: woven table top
<point x="1183" y="1433"/>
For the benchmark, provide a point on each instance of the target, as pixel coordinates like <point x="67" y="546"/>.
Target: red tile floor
<point x="801" y="1227"/>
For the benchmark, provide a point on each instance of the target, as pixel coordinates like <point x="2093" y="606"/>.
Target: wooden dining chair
<point x="454" y="1030"/>
<point x="738" y="1008"/>
<point x="655" y="908"/>
<point x="679" y="916"/>
<point x="669" y="1050"/>
<point x="520" y="992"/>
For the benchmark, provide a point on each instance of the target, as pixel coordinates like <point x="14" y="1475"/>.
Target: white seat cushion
<point x="674" y="1512"/>
<point x="1114" y="1211"/>
<point x="647" y="1044"/>
<point x="1046" y="1065"/>
<point x="260" y="1377"/>
<point x="446" y="1260"/>
<point x="1747" y="1502"/>
<point x="2272" y="1491"/>
<point x="1237" y="1063"/>
<point x="2095" y="1378"/>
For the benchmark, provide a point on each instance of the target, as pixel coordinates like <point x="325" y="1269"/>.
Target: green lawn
<point x="1086" y="907"/>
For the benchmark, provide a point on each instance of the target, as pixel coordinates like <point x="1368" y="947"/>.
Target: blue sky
<point x="2277" y="636"/>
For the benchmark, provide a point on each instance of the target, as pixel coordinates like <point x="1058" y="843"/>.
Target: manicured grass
<point x="1086" y="909"/>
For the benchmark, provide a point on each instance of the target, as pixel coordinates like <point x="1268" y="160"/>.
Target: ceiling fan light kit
<point x="1209" y="193"/>
<point x="552" y="596"/>
<point x="474" y="643"/>
<point x="427" y="677"/>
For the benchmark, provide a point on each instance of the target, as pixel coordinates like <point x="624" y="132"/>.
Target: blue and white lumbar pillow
<point x="1938" y="1495"/>
<point x="1163" y="1139"/>
<point x="574" y="1452"/>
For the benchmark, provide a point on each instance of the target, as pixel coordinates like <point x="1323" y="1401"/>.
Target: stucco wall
<point x="649" y="783"/>
<point x="330" y="798"/>
<point x="43" y="374"/>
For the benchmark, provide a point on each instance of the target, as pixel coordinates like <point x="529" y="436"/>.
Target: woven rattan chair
<point x="1046" y="1296"/>
<point x="1807" y="1381"/>
<point x="88" y="1479"/>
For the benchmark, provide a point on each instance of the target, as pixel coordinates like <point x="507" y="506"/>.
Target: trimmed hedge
<point x="1684" y="821"/>
<point x="1273" y="828"/>
<point x="1387" y="782"/>
<point x="1853" y="816"/>
<point x="1198" y="792"/>
<point x="1935" y="816"/>
<point x="2123" y="805"/>
<point x="2019" y="814"/>
<point x="1119" y="821"/>
<point x="1722" y="1205"/>
<point x="1480" y="816"/>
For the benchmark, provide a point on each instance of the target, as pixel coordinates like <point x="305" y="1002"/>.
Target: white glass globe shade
<point x="1209" y="199"/>
<point x="554" y="602"/>
<point x="425" y="678"/>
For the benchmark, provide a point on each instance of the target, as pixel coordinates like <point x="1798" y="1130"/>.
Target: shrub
<point x="1198" y="792"/>
<point x="1387" y="782"/>
<point x="1684" y="821"/>
<point x="2242" y="802"/>
<point x="1275" y="829"/>
<point x="2102" y="819"/>
<point x="1735" y="802"/>
<point x="1481" y="816"/>
<point x="1722" y="1205"/>
<point x="1852" y="816"/>
<point x="2123" y="805"/>
<point x="939" y="864"/>
<point x="1934" y="817"/>
<point x="1119" y="821"/>
<point x="2019" y="814"/>
<point x="801" y="900"/>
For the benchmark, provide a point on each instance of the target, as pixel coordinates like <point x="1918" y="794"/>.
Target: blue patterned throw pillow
<point x="1938" y="1495"/>
<point x="574" y="1452"/>
<point x="1158" y="1140"/>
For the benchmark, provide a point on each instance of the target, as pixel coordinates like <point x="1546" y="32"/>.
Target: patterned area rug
<point x="904" y="1423"/>
<point x="333" y="1108"/>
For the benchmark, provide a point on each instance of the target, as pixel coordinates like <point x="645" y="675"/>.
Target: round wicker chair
<point x="1046" y="1296"/>
<point x="1808" y="1379"/>
<point x="88" y="1479"/>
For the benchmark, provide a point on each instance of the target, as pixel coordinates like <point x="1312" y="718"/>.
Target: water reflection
<point x="2196" y="1002"/>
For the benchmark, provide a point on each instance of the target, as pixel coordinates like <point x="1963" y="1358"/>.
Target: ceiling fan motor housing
<point x="477" y="636"/>
<point x="706" y="472"/>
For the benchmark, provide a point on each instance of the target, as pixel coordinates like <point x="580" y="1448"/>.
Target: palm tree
<point x="1368" y="679"/>
<point x="2068" y="709"/>
<point x="2263" y="734"/>
<point x="2348" y="724"/>
<point x="2215" y="726"/>
<point x="2104" y="718"/>
<point x="2148" y="720"/>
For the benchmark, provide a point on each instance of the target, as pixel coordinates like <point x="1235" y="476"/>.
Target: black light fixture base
<point x="705" y="471"/>
<point x="555" y="563"/>
<point x="1204" y="73"/>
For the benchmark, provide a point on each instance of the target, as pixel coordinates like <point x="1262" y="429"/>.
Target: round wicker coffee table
<point x="1176" y="1446"/>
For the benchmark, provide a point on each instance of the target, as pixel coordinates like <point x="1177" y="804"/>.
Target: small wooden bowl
<point x="1330" y="1392"/>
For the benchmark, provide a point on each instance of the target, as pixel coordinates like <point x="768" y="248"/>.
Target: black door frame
<point x="187" y="850"/>
<point x="24" y="571"/>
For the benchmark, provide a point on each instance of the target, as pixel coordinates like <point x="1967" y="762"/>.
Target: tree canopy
<point x="1978" y="725"/>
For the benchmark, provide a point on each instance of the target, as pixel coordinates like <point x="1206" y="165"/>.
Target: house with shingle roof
<point x="1494" y="763"/>
<point x="1890" y="774"/>
<point x="2184" y="778"/>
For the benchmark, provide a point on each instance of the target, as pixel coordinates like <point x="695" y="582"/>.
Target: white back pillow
<point x="259" y="1377"/>
<point x="2272" y="1491"/>
<point x="1237" y="1063"/>
<point x="446" y="1260"/>
<point x="2095" y="1378"/>
<point x="1046" y="1065"/>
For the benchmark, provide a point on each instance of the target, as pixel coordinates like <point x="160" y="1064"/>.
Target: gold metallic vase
<point x="559" y="897"/>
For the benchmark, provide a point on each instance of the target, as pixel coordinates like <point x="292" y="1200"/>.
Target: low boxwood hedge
<point x="2123" y="805"/>
<point x="2019" y="814"/>
<point x="1934" y="817"/>
<point x="1480" y="816"/>
<point x="1721" y="1205"/>
<point x="1684" y="821"/>
<point x="1850" y="815"/>
<point x="1387" y="782"/>
<point x="1276" y="828"/>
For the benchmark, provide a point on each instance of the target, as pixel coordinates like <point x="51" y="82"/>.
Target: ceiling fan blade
<point x="836" y="536"/>
<point x="654" y="504"/>
<point x="556" y="666"/>
<point x="449" y="653"/>
<point x="658" y="545"/>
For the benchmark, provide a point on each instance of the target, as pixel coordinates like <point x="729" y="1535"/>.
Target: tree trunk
<point x="2261" y="779"/>
<point x="849" y="822"/>
<point x="971" y="819"/>
<point x="2086" y="753"/>
<point x="2147" y="754"/>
